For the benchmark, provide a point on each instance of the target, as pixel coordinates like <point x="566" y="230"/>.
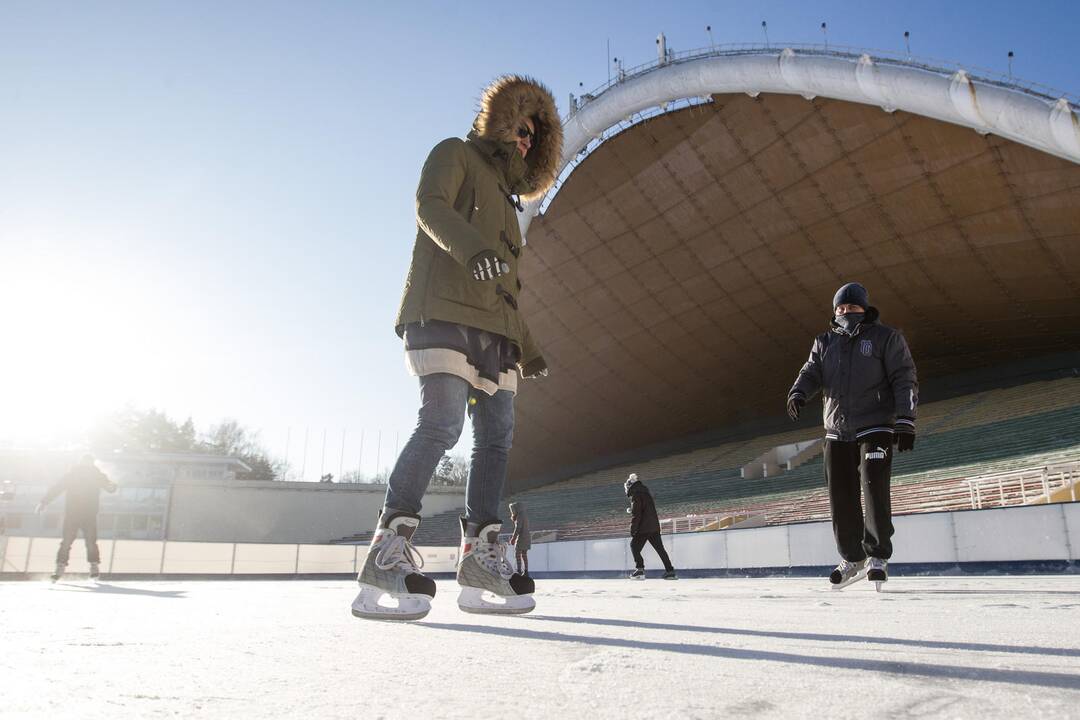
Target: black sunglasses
<point x="524" y="132"/>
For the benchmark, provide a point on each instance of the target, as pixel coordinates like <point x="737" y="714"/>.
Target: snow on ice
<point x="970" y="647"/>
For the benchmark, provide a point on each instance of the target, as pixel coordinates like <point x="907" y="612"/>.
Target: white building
<point x="196" y="497"/>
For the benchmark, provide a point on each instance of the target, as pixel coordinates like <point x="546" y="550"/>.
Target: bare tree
<point x="451" y="471"/>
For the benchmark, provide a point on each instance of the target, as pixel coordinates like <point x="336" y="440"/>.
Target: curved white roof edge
<point x="1045" y="125"/>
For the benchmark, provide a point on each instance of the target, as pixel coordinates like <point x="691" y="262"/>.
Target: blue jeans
<point x="443" y="401"/>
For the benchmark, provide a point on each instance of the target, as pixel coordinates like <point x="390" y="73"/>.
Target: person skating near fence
<point x="81" y="487"/>
<point x="522" y="538"/>
<point x="466" y="340"/>
<point x="644" y="528"/>
<point x="867" y="376"/>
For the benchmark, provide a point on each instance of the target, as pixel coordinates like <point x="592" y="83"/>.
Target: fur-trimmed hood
<point x="506" y="102"/>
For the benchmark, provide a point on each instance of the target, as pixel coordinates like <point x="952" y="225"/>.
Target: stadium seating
<point x="991" y="431"/>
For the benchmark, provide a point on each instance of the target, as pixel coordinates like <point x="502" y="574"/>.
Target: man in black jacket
<point x="83" y="485"/>
<point x="865" y="372"/>
<point x="645" y="528"/>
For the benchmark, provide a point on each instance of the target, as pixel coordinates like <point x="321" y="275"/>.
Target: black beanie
<point x="851" y="294"/>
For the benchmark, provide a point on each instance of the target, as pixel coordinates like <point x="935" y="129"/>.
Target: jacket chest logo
<point x="866" y="348"/>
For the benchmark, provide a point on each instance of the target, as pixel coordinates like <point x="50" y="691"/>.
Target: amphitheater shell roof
<point x="677" y="276"/>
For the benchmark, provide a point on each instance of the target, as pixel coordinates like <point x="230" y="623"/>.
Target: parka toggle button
<point x="512" y="199"/>
<point x="515" y="251"/>
<point x="510" y="300"/>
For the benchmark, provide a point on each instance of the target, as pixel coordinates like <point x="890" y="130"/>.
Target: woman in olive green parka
<point x="465" y="337"/>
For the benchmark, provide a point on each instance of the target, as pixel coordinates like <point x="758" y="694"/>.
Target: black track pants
<point x="72" y="524"/>
<point x="638" y="542"/>
<point x="849" y="466"/>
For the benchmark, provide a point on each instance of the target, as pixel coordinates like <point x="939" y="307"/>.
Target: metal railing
<point x="708" y="521"/>
<point x="1022" y="487"/>
<point x="535" y="536"/>
<point x="1005" y="489"/>
<point x="847" y="52"/>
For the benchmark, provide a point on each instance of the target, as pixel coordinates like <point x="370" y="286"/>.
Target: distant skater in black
<point x="83" y="485"/>
<point x="645" y="528"/>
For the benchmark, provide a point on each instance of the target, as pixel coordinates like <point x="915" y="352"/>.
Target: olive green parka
<point x="466" y="203"/>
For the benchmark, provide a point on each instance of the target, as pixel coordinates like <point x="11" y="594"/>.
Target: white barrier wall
<point x="154" y="557"/>
<point x="1037" y="532"/>
<point x="315" y="559"/>
<point x="1029" y="533"/>
<point x="980" y="538"/>
<point x="186" y="557"/>
<point x="131" y="556"/>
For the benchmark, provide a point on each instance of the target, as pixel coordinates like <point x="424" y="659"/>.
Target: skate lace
<point x="397" y="552"/>
<point x="846" y="566"/>
<point x="493" y="557"/>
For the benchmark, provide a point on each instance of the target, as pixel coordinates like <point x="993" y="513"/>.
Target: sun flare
<point x="72" y="352"/>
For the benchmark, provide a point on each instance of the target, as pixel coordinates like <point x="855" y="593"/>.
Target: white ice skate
<point x="391" y="584"/>
<point x="58" y="572"/>
<point x="95" y="571"/>
<point x="877" y="572"/>
<point x="846" y="573"/>
<point x="489" y="584"/>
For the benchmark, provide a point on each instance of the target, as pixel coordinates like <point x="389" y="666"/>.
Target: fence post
<point x="29" y="545"/>
<point x="1046" y="486"/>
<point x="232" y="562"/>
<point x="112" y="555"/>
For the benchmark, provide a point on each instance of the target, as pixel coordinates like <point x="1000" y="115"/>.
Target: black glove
<point x="794" y="405"/>
<point x="905" y="433"/>
<point x="486" y="265"/>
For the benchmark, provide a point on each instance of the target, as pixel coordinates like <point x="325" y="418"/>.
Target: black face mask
<point x="850" y="321"/>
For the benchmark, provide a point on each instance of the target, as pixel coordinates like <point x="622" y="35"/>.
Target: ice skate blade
<point x="409" y="606"/>
<point x="484" y="602"/>
<point x="878" y="585"/>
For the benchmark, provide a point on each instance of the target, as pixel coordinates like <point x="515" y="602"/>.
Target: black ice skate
<point x="670" y="575"/>
<point x="392" y="572"/>
<point x="58" y="572"/>
<point x="638" y="574"/>
<point x="846" y="573"/>
<point x="878" y="572"/>
<point x="488" y="583"/>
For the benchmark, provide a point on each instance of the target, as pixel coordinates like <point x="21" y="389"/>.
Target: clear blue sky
<point x="208" y="207"/>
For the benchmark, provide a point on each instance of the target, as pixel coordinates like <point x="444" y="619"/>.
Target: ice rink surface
<point x="965" y="647"/>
